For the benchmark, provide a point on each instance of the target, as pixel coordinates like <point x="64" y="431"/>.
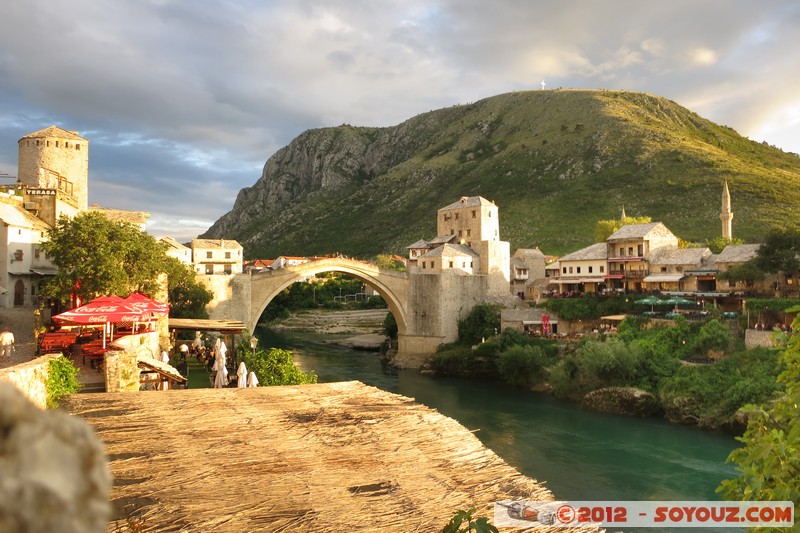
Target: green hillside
<point x="555" y="162"/>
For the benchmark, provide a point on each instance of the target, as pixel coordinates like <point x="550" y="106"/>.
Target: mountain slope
<point x="555" y="162"/>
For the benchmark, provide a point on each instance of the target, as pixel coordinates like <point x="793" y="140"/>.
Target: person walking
<point x="6" y="343"/>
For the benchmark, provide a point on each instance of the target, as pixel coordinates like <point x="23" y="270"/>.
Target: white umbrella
<point x="222" y="372"/>
<point x="252" y="380"/>
<point x="242" y="373"/>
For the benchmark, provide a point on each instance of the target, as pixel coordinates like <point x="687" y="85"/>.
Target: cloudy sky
<point x="183" y="102"/>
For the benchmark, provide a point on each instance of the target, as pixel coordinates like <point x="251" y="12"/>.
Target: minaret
<point x="623" y="217"/>
<point x="726" y="216"/>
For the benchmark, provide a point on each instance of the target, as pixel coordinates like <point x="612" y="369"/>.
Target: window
<point x="578" y="270"/>
<point x="630" y="251"/>
<point x="456" y="216"/>
<point x="640" y="250"/>
<point x="209" y="270"/>
<point x="36" y="252"/>
<point x="56" y="144"/>
<point x="663" y="269"/>
<point x="602" y="269"/>
<point x="590" y="270"/>
<point x="451" y="264"/>
<point x="622" y="252"/>
<point x="209" y="255"/>
<point x="470" y="264"/>
<point x="469" y="231"/>
<point x="460" y="233"/>
<point x="424" y="264"/>
<point x="570" y="270"/>
<point x="227" y="255"/>
<point x="77" y="146"/>
<point x="565" y="270"/>
<point x="679" y="269"/>
<point x="433" y="264"/>
<point x="473" y="213"/>
<point x="227" y="269"/>
<point x="66" y="144"/>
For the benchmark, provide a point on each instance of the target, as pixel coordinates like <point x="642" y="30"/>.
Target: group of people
<point x="759" y="326"/>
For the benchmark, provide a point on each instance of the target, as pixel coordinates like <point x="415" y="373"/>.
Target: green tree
<point x="780" y="252"/>
<point x="717" y="244"/>
<point x="188" y="297"/>
<point x="746" y="272"/>
<point x="603" y="229"/>
<point x="96" y="257"/>
<point x="275" y="367"/>
<point x="769" y="461"/>
<point x="388" y="262"/>
<point x="482" y="322"/>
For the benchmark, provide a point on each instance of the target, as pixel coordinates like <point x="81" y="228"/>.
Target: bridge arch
<point x="391" y="285"/>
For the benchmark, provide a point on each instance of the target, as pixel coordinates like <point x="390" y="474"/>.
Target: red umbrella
<point x="144" y="303"/>
<point x="103" y="310"/>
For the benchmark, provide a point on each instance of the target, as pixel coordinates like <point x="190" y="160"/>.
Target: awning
<point x="664" y="278"/>
<point x="538" y="322"/>
<point x="45" y="271"/>
<point x="578" y="280"/>
<point x="614" y="276"/>
<point x="205" y="324"/>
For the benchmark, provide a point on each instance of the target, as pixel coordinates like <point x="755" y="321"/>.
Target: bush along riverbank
<point x="643" y="370"/>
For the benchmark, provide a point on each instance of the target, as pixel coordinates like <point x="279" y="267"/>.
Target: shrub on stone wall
<point x="62" y="379"/>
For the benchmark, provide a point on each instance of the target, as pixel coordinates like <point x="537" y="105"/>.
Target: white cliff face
<point x="53" y="470"/>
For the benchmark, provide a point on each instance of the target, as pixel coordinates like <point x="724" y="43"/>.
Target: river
<point x="579" y="454"/>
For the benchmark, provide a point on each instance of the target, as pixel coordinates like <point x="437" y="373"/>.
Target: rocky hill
<point x="555" y="162"/>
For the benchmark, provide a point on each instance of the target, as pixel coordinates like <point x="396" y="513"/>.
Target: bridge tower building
<point x="53" y="167"/>
<point x="475" y="223"/>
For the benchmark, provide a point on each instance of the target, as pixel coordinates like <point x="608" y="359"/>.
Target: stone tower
<point x="55" y="159"/>
<point x="726" y="216"/>
<point x="474" y="222"/>
<point x="54" y="173"/>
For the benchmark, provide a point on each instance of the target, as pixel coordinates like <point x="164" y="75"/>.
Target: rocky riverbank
<point x="366" y="325"/>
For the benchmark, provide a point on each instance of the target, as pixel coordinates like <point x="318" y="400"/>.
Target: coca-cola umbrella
<point x="145" y="303"/>
<point x="102" y="311"/>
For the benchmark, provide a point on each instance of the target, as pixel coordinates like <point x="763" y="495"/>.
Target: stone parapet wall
<point x="31" y="378"/>
<point x="121" y="364"/>
<point x="754" y="338"/>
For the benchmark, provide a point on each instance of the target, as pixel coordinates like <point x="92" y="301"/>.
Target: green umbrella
<point x="650" y="300"/>
<point x="676" y="301"/>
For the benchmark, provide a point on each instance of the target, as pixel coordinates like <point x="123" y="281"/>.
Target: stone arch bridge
<point x="426" y="307"/>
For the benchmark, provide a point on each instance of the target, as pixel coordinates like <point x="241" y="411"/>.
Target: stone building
<point x="53" y="168"/>
<point x="629" y="251"/>
<point x="24" y="263"/>
<point x="177" y="250"/>
<point x="584" y="270"/>
<point x="217" y="257"/>
<point x="527" y="266"/>
<point x="677" y="269"/>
